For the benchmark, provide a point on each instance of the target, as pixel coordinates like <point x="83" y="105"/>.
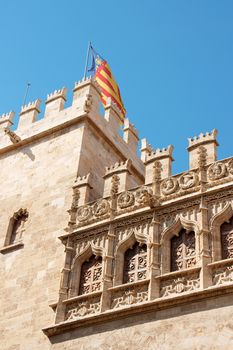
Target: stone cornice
<point x="146" y="307"/>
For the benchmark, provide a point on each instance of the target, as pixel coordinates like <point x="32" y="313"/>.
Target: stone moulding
<point x="179" y="282"/>
<point x="222" y="271"/>
<point x="137" y="309"/>
<point x="82" y="305"/>
<point x="129" y="294"/>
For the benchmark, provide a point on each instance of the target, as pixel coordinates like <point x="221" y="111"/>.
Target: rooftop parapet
<point x="123" y="171"/>
<point x="164" y="156"/>
<point x="145" y="149"/>
<point x="112" y="115"/>
<point x="87" y="96"/>
<point x="83" y="184"/>
<point x="209" y="142"/>
<point x="130" y="135"/>
<point x="55" y="101"/>
<point x="29" y="113"/>
<point x="6" y="119"/>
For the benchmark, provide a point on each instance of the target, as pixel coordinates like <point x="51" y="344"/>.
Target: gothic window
<point x="16" y="227"/>
<point x="135" y="263"/>
<point x="183" y="253"/>
<point x="91" y="275"/>
<point x="227" y="239"/>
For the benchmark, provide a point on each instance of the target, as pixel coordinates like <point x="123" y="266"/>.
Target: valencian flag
<point x="107" y="84"/>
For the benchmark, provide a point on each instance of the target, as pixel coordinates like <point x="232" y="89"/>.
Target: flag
<point x="102" y="74"/>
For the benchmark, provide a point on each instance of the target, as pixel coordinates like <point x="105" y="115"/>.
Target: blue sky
<point x="173" y="61"/>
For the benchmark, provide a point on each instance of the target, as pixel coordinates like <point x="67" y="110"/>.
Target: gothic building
<point x="101" y="249"/>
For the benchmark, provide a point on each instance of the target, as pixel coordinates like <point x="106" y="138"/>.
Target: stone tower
<point x="101" y="249"/>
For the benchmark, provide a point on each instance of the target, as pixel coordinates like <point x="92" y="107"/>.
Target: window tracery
<point x="183" y="254"/>
<point x="135" y="263"/>
<point x="226" y="231"/>
<point x="91" y="275"/>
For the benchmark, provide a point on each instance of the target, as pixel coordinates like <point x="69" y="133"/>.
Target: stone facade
<point x="103" y="250"/>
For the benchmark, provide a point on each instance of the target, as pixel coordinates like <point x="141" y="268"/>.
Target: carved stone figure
<point x="101" y="207"/>
<point x="216" y="171"/>
<point x="188" y="180"/>
<point x="88" y="103"/>
<point x="125" y="200"/>
<point x="143" y="195"/>
<point x="169" y="185"/>
<point x="84" y="213"/>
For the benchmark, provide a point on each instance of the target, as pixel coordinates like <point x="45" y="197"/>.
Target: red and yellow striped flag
<point x="107" y="84"/>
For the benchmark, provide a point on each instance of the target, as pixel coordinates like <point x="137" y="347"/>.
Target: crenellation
<point x="146" y="148"/>
<point x="203" y="138"/>
<point x="209" y="142"/>
<point x="84" y="184"/>
<point x="28" y="114"/>
<point x="164" y="156"/>
<point x="112" y="115"/>
<point x="130" y="135"/>
<point x="87" y="97"/>
<point x="124" y="171"/>
<point x="6" y="119"/>
<point x="57" y="94"/>
<point x="55" y="102"/>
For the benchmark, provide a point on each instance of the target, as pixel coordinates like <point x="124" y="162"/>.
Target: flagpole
<point x="87" y="59"/>
<point x="26" y="93"/>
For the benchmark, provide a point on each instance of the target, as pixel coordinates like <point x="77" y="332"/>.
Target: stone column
<point x="204" y="247"/>
<point x="154" y="263"/>
<point x="108" y="271"/>
<point x="64" y="284"/>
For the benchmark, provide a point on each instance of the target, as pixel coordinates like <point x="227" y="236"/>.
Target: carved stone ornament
<point x="169" y="185"/>
<point x="125" y="200"/>
<point x="143" y="195"/>
<point x="216" y="171"/>
<point x="188" y="180"/>
<point x="115" y="185"/>
<point x="230" y="166"/>
<point x="84" y="213"/>
<point x="101" y="207"/>
<point x="88" y="103"/>
<point x="223" y="275"/>
<point x="202" y="156"/>
<point x="180" y="285"/>
<point x="129" y="297"/>
<point x="83" y="309"/>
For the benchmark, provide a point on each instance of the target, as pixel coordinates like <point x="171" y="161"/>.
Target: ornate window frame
<point x="174" y="230"/>
<point x="122" y="247"/>
<point x="215" y="223"/>
<point x="75" y="276"/>
<point x="8" y="245"/>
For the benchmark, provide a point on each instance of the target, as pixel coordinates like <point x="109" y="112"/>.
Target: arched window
<point x="226" y="231"/>
<point x="91" y="275"/>
<point x="16" y="227"/>
<point x="183" y="253"/>
<point x="135" y="263"/>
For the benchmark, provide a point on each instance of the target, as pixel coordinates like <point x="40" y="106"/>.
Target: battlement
<point x="57" y="94"/>
<point x="31" y="106"/>
<point x="118" y="167"/>
<point x="160" y="153"/>
<point x="208" y="140"/>
<point x="203" y="138"/>
<point x="7" y="119"/>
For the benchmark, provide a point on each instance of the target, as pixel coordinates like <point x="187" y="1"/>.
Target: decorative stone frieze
<point x="129" y="295"/>
<point x="186" y="281"/>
